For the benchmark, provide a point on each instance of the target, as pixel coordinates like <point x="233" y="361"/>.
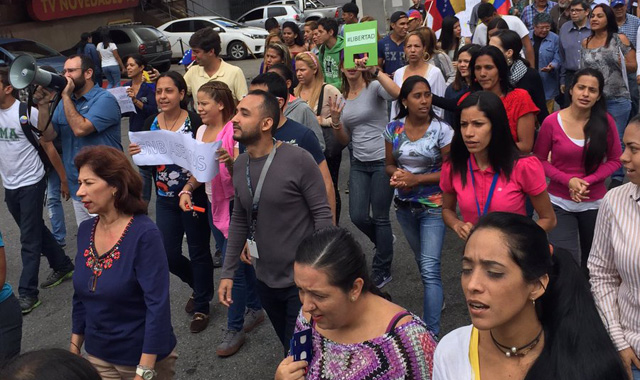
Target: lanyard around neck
<point x="489" y="196"/>
<point x="256" y="196"/>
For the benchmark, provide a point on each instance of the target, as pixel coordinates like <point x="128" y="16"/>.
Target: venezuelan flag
<point x="502" y="6"/>
<point x="439" y="9"/>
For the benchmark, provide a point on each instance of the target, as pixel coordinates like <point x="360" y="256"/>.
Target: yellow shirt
<point x="229" y="74"/>
<point x="474" y="359"/>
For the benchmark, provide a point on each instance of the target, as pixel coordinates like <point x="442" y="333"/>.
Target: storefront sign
<point x="44" y="10"/>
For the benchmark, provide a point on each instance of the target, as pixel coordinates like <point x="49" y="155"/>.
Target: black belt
<point x="408" y="204"/>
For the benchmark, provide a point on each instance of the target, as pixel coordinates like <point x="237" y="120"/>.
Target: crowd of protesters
<point x="509" y="138"/>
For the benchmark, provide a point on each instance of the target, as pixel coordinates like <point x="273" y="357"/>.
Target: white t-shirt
<point x="107" y="54"/>
<point x="436" y="81"/>
<point x="451" y="358"/>
<point x="20" y="164"/>
<point x="515" y="24"/>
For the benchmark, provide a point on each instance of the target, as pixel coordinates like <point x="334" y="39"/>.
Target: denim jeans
<point x="574" y="232"/>
<point x="369" y="190"/>
<point x="424" y="229"/>
<point x="146" y="172"/>
<point x="243" y="291"/>
<point x="112" y="73"/>
<point x="197" y="271"/>
<point x="635" y="372"/>
<point x="26" y="205"/>
<point x="10" y="329"/>
<point x="282" y="306"/>
<point x="54" y="207"/>
<point x="619" y="108"/>
<point x="635" y="96"/>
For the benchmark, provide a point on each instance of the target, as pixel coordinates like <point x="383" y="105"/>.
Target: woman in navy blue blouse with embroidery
<point x="121" y="309"/>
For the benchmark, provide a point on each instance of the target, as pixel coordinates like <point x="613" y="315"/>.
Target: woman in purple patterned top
<point x="356" y="332"/>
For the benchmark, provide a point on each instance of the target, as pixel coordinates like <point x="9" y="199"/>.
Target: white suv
<point x="238" y="41"/>
<point x="258" y="16"/>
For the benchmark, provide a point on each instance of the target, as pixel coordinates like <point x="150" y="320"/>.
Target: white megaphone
<point x="24" y="71"/>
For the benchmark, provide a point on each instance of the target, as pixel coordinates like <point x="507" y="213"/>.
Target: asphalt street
<point x="50" y="324"/>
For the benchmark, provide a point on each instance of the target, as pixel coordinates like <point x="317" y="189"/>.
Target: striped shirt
<point x="614" y="264"/>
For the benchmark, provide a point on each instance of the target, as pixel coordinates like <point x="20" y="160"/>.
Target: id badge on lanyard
<point x="489" y="196"/>
<point x="253" y="220"/>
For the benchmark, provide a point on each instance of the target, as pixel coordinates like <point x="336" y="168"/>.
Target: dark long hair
<point x="459" y="82"/>
<point x="612" y="24"/>
<point x="405" y="90"/>
<point x="179" y="82"/>
<point x="335" y="251"/>
<point x="296" y="30"/>
<point x="577" y="345"/>
<point x="511" y="40"/>
<point x="496" y="23"/>
<point x="447" y="39"/>
<point x="595" y="130"/>
<point x="84" y="40"/>
<point x="49" y="364"/>
<point x="503" y="152"/>
<point x="501" y="63"/>
<point x="105" y="37"/>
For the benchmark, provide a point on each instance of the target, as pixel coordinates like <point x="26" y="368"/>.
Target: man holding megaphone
<point x="22" y="168"/>
<point x="86" y="115"/>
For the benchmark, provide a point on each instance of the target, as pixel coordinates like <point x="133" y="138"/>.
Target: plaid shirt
<point x="530" y="11"/>
<point x="630" y="29"/>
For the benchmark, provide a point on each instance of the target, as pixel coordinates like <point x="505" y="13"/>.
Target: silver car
<point x="282" y="13"/>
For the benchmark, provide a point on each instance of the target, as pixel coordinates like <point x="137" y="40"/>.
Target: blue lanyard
<point x="491" y="189"/>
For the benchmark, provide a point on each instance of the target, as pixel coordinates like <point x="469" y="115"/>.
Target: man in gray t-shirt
<point x="292" y="205"/>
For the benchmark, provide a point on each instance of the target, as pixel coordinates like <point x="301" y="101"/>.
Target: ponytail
<point x="577" y="345"/>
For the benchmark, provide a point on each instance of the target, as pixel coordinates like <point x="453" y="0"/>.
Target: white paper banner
<point x="164" y="147"/>
<point x="124" y="101"/>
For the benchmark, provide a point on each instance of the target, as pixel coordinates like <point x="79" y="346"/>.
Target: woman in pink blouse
<point x="486" y="171"/>
<point x="578" y="147"/>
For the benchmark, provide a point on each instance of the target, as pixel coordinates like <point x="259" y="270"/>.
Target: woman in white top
<point x="532" y="312"/>
<point x="615" y="255"/>
<point x="316" y="93"/>
<point x="415" y="45"/>
<point x="112" y="65"/>
<point x="437" y="57"/>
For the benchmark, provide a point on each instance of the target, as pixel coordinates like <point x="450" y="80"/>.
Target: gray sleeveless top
<point x="606" y="59"/>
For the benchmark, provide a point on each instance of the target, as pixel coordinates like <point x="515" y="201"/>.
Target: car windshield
<point x="32" y="48"/>
<point x="149" y="34"/>
<point x="225" y="23"/>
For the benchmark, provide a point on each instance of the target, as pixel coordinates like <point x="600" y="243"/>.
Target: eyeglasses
<point x="64" y="71"/>
<point x="576" y="10"/>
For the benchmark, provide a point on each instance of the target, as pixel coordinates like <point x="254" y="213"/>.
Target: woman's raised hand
<point x="134" y="149"/>
<point x="336" y="105"/>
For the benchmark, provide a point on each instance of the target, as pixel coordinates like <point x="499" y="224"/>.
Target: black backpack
<point x="33" y="135"/>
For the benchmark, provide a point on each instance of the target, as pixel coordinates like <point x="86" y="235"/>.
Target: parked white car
<point x="257" y="16"/>
<point x="238" y="41"/>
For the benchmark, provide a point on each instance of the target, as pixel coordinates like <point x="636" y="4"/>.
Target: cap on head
<point x="414" y="14"/>
<point x="396" y="16"/>
<point x="615" y="3"/>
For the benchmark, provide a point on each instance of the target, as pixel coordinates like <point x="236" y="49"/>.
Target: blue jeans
<point x="369" y="190"/>
<point x="54" y="207"/>
<point x="26" y="205"/>
<point x="147" y="174"/>
<point x="619" y="108"/>
<point x="112" y="73"/>
<point x="424" y="229"/>
<point x="243" y="291"/>
<point x="635" y="372"/>
<point x="197" y="271"/>
<point x="10" y="328"/>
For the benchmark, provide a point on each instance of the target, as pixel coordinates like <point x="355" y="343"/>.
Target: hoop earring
<point x="426" y="56"/>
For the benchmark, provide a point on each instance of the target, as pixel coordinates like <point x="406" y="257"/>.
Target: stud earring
<point x="533" y="301"/>
<point x="353" y="299"/>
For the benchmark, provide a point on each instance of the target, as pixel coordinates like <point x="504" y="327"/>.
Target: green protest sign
<point x="361" y="38"/>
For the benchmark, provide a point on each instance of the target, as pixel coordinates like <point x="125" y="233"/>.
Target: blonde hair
<point x="271" y="36"/>
<point x="282" y="50"/>
<point x="311" y="60"/>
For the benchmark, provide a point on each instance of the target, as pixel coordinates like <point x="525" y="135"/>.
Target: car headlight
<point x="255" y="36"/>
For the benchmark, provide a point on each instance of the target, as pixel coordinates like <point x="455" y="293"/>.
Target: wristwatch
<point x="375" y="73"/>
<point x="145" y="372"/>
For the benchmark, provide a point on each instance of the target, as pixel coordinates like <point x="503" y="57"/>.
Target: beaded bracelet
<point x="335" y="125"/>
<point x="184" y="192"/>
<point x="190" y="184"/>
